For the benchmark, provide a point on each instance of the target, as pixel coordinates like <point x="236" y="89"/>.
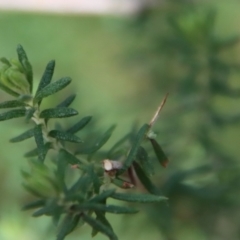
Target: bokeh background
<point x="123" y="59"/>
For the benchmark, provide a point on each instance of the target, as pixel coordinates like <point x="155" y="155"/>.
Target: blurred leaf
<point x="16" y="113"/>
<point x="176" y="178"/>
<point x="145" y="180"/>
<point x="52" y="88"/>
<point x="61" y="170"/>
<point x="25" y="98"/>
<point x="102" y="196"/>
<point x="222" y="120"/>
<point x="50" y="208"/>
<point x="46" y="210"/>
<point x="162" y="158"/>
<point x="58" y="113"/>
<point x="22" y="56"/>
<point x="67" y="102"/>
<point x="33" y="191"/>
<point x="12" y="104"/>
<point x="141" y="198"/>
<point x="142" y="158"/>
<point x="101" y="218"/>
<point x="79" y="125"/>
<point x="28" y="134"/>
<point x="117" y="145"/>
<point x="97" y="182"/>
<point x="34" y="152"/>
<point x="65" y="136"/>
<point x="99" y="142"/>
<point x="73" y="197"/>
<point x="47" y="76"/>
<point x="25" y="175"/>
<point x="122" y="183"/>
<point x="29" y="114"/>
<point x="40" y="212"/>
<point x="38" y="135"/>
<point x="220" y="45"/>
<point x="68" y="157"/>
<point x="5" y="61"/>
<point x="99" y="226"/>
<point x="132" y="154"/>
<point x="105" y="208"/>
<point x="8" y="90"/>
<point x="34" y="204"/>
<point x="82" y="184"/>
<point x="68" y="224"/>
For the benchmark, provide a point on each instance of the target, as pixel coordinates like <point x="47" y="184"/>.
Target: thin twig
<point x="156" y="115"/>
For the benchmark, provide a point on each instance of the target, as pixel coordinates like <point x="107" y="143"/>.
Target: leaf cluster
<point x="71" y="201"/>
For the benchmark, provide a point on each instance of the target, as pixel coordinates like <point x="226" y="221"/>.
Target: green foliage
<point x="26" y="66"/>
<point x="58" y="113"/>
<point x="79" y="193"/>
<point x="64" y="136"/>
<point x="142" y="198"/>
<point x="27" y="134"/>
<point x="178" y="46"/>
<point x="16" y="113"/>
<point x="12" y="104"/>
<point x="132" y="154"/>
<point x="51" y="89"/>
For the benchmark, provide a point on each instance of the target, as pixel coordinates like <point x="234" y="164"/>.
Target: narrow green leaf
<point x="141" y="198"/>
<point x="162" y="158"/>
<point x="12" y="104"/>
<point x="145" y="180"/>
<point x="68" y="224"/>
<point x="102" y="196"/>
<point x="8" y="90"/>
<point x="40" y="142"/>
<point x="99" y="226"/>
<point x="79" y="125"/>
<point x="142" y="158"/>
<point x="16" y="113"/>
<point x="52" y="88"/>
<point x="67" y="102"/>
<point x="47" y="76"/>
<point x="117" y="145"/>
<point x="69" y="158"/>
<point x="61" y="170"/>
<point x="22" y="56"/>
<point x="105" y="208"/>
<point x="25" y="98"/>
<point x="32" y="191"/>
<point x="28" y="134"/>
<point x="5" y="61"/>
<point x="97" y="182"/>
<point x="29" y="113"/>
<point x="99" y="142"/>
<point x="25" y="175"/>
<point x="122" y="183"/>
<point x="58" y="113"/>
<point x="65" y="136"/>
<point x="82" y="184"/>
<point x="40" y="212"/>
<point x="34" y="152"/>
<point x="34" y="204"/>
<point x="73" y="197"/>
<point x="50" y="208"/>
<point x="132" y="154"/>
<point x="101" y="218"/>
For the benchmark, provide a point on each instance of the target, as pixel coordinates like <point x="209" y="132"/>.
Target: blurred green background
<point x="121" y="68"/>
